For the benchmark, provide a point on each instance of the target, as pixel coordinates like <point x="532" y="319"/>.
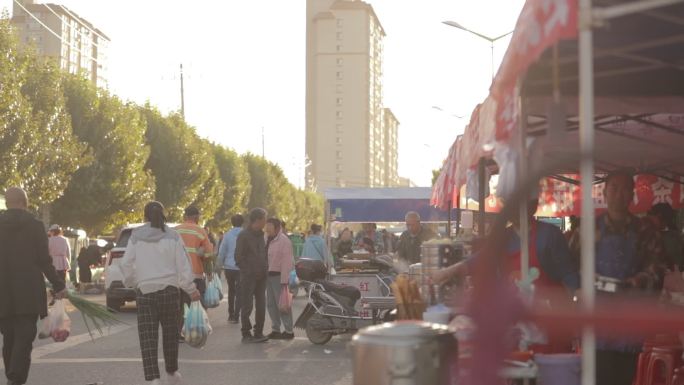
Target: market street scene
<point x="115" y="357"/>
<point x="343" y="192"/>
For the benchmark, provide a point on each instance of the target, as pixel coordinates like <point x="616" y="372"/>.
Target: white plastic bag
<point x="58" y="323"/>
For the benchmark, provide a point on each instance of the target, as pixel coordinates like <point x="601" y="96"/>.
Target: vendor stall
<point x="600" y="83"/>
<point x="381" y="204"/>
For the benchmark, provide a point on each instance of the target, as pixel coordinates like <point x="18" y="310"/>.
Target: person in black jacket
<point x="251" y="258"/>
<point x="24" y="260"/>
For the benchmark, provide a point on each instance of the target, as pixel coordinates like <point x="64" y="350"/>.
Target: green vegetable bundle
<point x="99" y="315"/>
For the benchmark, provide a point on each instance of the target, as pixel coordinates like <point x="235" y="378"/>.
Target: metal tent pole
<point x="449" y="220"/>
<point x="481" y="198"/>
<point x="458" y="212"/>
<point x="524" y="220"/>
<point x="587" y="230"/>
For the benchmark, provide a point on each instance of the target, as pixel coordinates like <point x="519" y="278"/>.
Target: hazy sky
<point x="245" y="68"/>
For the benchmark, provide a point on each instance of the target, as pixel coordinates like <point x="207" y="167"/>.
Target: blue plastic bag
<point x="196" y="328"/>
<point x="294" y="281"/>
<point x="212" y="297"/>
<point x="216" y="281"/>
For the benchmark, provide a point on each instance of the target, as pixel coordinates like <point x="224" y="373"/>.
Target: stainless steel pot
<point x="403" y="353"/>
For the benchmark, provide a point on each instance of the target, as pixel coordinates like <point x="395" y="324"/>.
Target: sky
<point x="244" y="64"/>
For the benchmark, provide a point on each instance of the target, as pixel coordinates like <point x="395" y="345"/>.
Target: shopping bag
<point x="212" y="295"/>
<point x="294" y="281"/>
<point x="285" y="301"/>
<point x="216" y="281"/>
<point x="44" y="328"/>
<point x="57" y="324"/>
<point x="196" y="327"/>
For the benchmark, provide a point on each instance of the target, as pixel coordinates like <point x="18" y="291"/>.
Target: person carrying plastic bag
<point x="25" y="262"/>
<point x="280" y="264"/>
<point x="156" y="264"/>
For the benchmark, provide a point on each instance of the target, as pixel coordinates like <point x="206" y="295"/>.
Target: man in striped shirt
<point x="198" y="247"/>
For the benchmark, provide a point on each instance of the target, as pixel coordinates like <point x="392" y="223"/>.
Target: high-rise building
<point x="59" y="33"/>
<point x="390" y="126"/>
<point x="350" y="137"/>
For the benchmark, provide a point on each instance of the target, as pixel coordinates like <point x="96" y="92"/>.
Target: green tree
<point x="113" y="189"/>
<point x="272" y="191"/>
<point x="210" y="196"/>
<point x="261" y="193"/>
<point x="38" y="150"/>
<point x="183" y="165"/>
<point x="235" y="177"/>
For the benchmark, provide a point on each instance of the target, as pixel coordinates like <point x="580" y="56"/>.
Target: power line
<point x="54" y="33"/>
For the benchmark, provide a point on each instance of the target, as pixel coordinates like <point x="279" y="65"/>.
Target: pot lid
<point x="401" y="332"/>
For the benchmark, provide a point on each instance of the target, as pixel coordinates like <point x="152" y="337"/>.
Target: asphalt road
<point x="115" y="358"/>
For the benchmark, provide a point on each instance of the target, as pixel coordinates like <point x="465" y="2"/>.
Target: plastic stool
<point x="642" y="362"/>
<point x="670" y="357"/>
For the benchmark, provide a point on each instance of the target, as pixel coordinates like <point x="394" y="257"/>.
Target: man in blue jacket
<point x="226" y="260"/>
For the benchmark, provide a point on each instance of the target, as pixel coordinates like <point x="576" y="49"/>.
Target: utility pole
<point x="263" y="143"/>
<point x="182" y="93"/>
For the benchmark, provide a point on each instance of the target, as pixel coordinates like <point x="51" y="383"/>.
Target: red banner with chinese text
<point x="560" y="199"/>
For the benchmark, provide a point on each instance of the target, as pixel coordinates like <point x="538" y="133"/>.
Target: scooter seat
<point x="349" y="292"/>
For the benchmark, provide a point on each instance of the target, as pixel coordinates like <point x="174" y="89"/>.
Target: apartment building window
<point x="338" y="114"/>
<point x="338" y="88"/>
<point x="339" y="48"/>
<point x="340" y="22"/>
<point x="340" y="75"/>
<point x="338" y="101"/>
<point x="339" y="36"/>
<point x="338" y="128"/>
<point x="338" y="140"/>
<point x="338" y="167"/>
<point x="340" y="61"/>
<point x="338" y="154"/>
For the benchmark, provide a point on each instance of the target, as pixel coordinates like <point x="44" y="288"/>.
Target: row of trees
<point x="95" y="160"/>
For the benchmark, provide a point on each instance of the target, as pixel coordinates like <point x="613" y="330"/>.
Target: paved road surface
<point x="115" y="358"/>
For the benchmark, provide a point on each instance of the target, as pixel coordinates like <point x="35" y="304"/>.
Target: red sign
<point x="559" y="199"/>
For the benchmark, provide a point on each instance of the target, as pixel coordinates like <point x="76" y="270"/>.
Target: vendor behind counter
<point x="408" y="248"/>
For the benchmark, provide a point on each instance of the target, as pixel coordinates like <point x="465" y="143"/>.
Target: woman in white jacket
<point x="156" y="264"/>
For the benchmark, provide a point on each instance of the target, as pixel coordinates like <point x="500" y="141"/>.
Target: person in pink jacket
<point x="280" y="264"/>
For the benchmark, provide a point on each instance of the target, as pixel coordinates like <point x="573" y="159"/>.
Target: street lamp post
<point x="481" y="164"/>
<point x="491" y="40"/>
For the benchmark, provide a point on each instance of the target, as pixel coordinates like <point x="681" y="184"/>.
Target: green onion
<point x="99" y="315"/>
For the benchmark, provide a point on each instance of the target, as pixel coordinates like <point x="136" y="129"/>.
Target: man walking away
<point x="280" y="264"/>
<point x="198" y="246"/>
<point x="251" y="258"/>
<point x="60" y="251"/>
<point x="24" y="260"/>
<point x="226" y="260"/>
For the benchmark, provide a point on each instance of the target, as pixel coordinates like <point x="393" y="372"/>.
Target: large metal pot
<point x="403" y="353"/>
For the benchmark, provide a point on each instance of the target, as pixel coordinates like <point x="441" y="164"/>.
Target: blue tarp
<point x="382" y="204"/>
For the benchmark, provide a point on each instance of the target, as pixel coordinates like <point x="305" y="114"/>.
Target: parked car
<point x="117" y="293"/>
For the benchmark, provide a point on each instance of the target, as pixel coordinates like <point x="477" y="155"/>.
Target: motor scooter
<point x="330" y="308"/>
